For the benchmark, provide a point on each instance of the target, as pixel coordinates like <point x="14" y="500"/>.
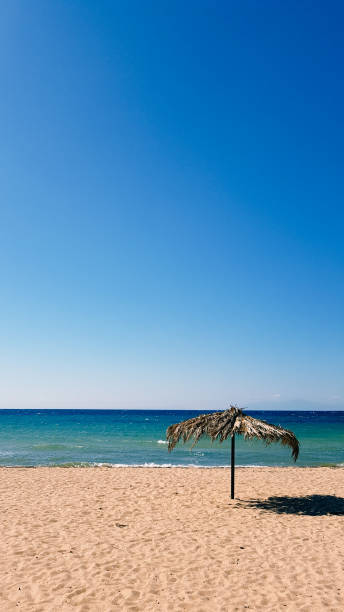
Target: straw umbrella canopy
<point x="228" y="423"/>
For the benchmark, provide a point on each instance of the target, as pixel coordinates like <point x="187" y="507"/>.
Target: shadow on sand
<point x="312" y="505"/>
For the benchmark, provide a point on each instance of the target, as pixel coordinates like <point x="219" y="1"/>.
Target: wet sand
<point x="140" y="539"/>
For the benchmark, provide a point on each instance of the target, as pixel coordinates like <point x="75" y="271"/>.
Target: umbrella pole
<point x="232" y="464"/>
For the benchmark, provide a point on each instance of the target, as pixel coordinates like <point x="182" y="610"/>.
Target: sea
<point x="97" y="438"/>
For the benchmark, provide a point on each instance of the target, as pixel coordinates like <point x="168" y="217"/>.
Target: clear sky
<point x="171" y="204"/>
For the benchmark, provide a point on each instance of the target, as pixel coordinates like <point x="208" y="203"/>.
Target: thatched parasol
<point x="221" y="425"/>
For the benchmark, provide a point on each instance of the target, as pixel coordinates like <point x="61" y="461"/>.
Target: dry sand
<point x="170" y="539"/>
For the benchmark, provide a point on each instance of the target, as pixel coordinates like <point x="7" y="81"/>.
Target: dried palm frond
<point x="221" y="425"/>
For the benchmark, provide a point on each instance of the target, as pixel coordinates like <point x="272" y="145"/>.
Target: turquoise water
<point x="137" y="437"/>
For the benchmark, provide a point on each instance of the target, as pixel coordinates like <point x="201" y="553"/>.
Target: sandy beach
<point x="141" y="539"/>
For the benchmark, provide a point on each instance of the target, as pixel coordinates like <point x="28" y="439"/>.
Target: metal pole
<point x="232" y="465"/>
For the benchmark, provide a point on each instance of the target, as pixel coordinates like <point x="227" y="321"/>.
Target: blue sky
<point x="171" y="204"/>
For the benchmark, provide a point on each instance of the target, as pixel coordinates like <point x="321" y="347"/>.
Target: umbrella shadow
<point x="310" y="505"/>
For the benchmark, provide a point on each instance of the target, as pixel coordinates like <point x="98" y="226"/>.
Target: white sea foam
<point x="174" y="465"/>
<point x="168" y="465"/>
<point x="157" y="465"/>
<point x="162" y="442"/>
<point x="90" y="464"/>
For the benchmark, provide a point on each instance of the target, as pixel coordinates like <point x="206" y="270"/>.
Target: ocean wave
<point x="91" y="464"/>
<point x="54" y="446"/>
<point x="50" y="446"/>
<point x="137" y="465"/>
<point x="162" y="442"/>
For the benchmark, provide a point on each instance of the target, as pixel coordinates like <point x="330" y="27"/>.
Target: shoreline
<point x="109" y="466"/>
